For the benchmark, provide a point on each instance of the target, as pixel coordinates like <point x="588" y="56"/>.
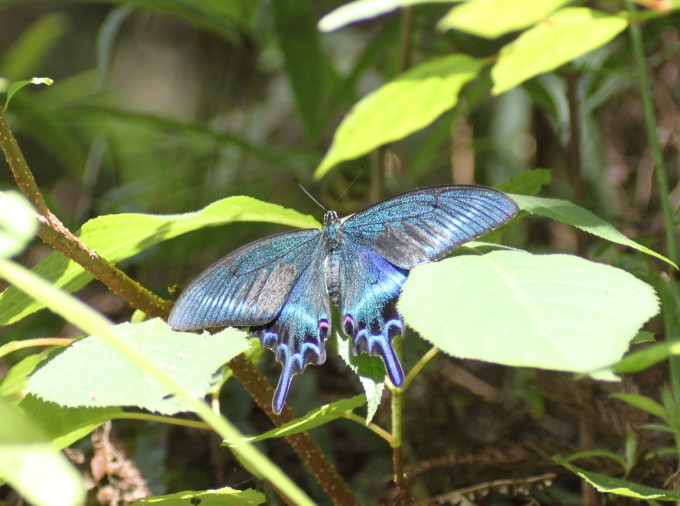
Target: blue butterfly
<point x="280" y="285"/>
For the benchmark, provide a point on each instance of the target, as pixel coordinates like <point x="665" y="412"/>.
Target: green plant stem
<point x="668" y="287"/>
<point x="371" y="426"/>
<point x="397" y="416"/>
<point x="654" y="146"/>
<point x="32" y="343"/>
<point x="55" y="234"/>
<point x="415" y="370"/>
<point x="92" y="322"/>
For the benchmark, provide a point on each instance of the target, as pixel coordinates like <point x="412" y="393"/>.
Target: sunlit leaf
<point x="411" y="102"/>
<point x="18" y="223"/>
<point x="493" y="18"/>
<point x="219" y="497"/>
<point x="361" y="10"/>
<point x="557" y="312"/>
<point x="314" y="418"/>
<point x="98" y="376"/>
<point x="620" y="487"/>
<point x="32" y="465"/>
<point x="577" y="216"/>
<point x="560" y="38"/>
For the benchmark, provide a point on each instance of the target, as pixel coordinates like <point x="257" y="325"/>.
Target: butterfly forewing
<point x="247" y="287"/>
<point x="426" y="224"/>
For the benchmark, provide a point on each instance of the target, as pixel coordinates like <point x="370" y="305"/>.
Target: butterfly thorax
<point x="331" y="238"/>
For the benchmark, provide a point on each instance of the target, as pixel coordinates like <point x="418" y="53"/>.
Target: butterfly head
<point x="330" y="218"/>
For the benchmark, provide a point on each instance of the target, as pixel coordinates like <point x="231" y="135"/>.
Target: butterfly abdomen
<point x="332" y="237"/>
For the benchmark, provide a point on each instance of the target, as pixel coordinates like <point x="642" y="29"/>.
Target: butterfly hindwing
<point x="297" y="336"/>
<point x="369" y="287"/>
<point x="248" y="286"/>
<point x="426" y="224"/>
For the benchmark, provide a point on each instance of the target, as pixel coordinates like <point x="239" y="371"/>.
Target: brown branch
<point x="262" y="392"/>
<point x="56" y="235"/>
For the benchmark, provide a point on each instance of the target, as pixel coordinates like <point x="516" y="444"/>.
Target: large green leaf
<point x="314" y="418"/>
<point x="560" y="38"/>
<point x="509" y="307"/>
<point x="407" y="104"/>
<point x="577" y="216"/>
<point x="620" y="487"/>
<point x="32" y="465"/>
<point x="119" y="236"/>
<point x="493" y="18"/>
<point x="98" y="376"/>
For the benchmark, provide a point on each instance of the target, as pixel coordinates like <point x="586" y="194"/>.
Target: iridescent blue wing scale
<point x="383" y="242"/>
<point x="369" y="287"/>
<point x="297" y="336"/>
<point x="248" y="286"/>
<point x="276" y="286"/>
<point x="426" y="224"/>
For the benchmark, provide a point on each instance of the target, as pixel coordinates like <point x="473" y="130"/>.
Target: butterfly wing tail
<point x="281" y="392"/>
<point x="376" y="340"/>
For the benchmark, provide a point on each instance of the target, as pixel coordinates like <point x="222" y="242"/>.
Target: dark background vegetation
<point x="158" y="109"/>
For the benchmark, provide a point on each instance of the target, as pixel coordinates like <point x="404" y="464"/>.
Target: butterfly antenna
<point x="350" y="184"/>
<point x="310" y="195"/>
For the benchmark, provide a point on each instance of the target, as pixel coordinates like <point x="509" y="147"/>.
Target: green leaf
<point x="18" y="223"/>
<point x="509" y="307"/>
<point x="370" y="370"/>
<point x="64" y="426"/>
<point x="529" y="182"/>
<point x="619" y="487"/>
<point x="644" y="403"/>
<point x="314" y="418"/>
<point x="32" y="465"/>
<point x="579" y="217"/>
<point x="561" y="38"/>
<point x="16" y="86"/>
<point x="98" y="376"/>
<point x="642" y="359"/>
<point x="411" y="102"/>
<point x="120" y="236"/>
<point x="13" y="384"/>
<point x="361" y="10"/>
<point x="493" y="18"/>
<point x="644" y="336"/>
<point x="220" y="497"/>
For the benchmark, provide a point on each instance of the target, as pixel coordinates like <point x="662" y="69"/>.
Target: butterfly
<point x="281" y="286"/>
